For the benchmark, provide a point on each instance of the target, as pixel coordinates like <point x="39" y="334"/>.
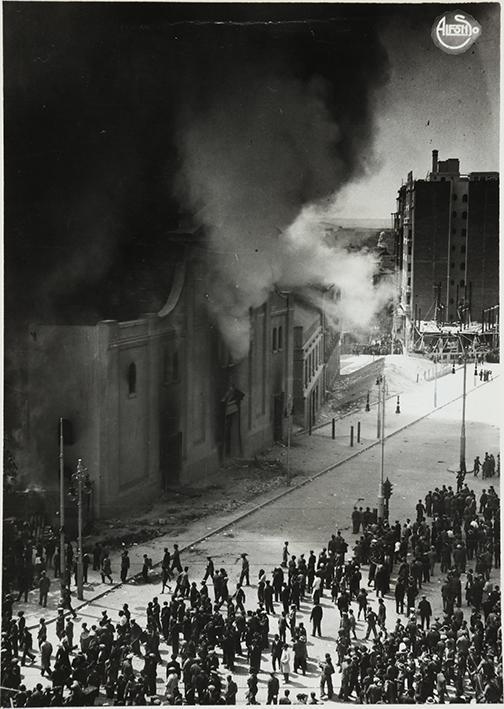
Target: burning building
<point x="157" y="401"/>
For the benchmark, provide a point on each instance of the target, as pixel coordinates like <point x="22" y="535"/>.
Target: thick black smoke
<point x="95" y="97"/>
<point x="106" y="107"/>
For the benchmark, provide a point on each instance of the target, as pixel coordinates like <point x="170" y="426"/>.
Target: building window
<point x="452" y="265"/>
<point x="408" y="298"/>
<point x="464" y="198"/>
<point x="132" y="379"/>
<point x="409" y="250"/>
<point x="464" y="232"/>
<point x="454" y="230"/>
<point x="409" y="267"/>
<point x="451" y="301"/>
<point x="462" y="249"/>
<point x="280" y="338"/>
<point x="175" y="367"/>
<point x="454" y="197"/>
<point x="452" y="282"/>
<point x="462" y="266"/>
<point x="462" y="283"/>
<point x="409" y="281"/>
<point x="274" y="339"/>
<point x="443" y="179"/>
<point x="454" y="215"/>
<point x="453" y="247"/>
<point x="464" y="215"/>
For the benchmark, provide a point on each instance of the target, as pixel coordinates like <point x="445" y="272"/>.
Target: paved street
<point x="417" y="459"/>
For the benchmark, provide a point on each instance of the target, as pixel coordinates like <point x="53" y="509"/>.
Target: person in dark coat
<point x="125" y="565"/>
<point x="268" y="598"/>
<point x="316" y="618"/>
<point x="44" y="585"/>
<point x="273" y="689"/>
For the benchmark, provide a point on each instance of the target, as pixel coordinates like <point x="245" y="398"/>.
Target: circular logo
<point x="455" y="31"/>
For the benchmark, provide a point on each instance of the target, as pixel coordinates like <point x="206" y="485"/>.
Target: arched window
<point x="132" y="379"/>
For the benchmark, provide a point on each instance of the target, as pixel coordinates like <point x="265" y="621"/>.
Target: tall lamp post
<point x="62" y="507"/>
<point x="289" y="435"/>
<point x="81" y="479"/>
<point x="463" y="426"/>
<point x="381" y="405"/>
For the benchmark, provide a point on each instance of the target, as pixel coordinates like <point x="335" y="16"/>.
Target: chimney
<point x="434" y="161"/>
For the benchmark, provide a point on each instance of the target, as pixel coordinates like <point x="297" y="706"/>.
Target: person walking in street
<point x="326" y="683"/>
<point x="285" y="661"/>
<point x="316" y="618"/>
<point x="44" y="585"/>
<point x="268" y="598"/>
<point x="371" y="619"/>
<point x="273" y="689"/>
<point x="26" y="646"/>
<point x="46" y="650"/>
<point x="66" y="600"/>
<point x="106" y="569"/>
<point x="245" y="570"/>
<point x="125" y="565"/>
<point x="210" y="569"/>
<point x="176" y="563"/>
<point x="425" y="612"/>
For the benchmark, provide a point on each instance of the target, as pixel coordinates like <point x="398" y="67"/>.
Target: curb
<point x="276" y="497"/>
<point x="318" y="426"/>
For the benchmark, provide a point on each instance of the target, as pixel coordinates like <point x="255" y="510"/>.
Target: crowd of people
<point x="211" y="628"/>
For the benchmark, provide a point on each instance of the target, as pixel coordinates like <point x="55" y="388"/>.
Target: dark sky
<point x="97" y="95"/>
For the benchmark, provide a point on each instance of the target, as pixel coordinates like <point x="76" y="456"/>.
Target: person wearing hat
<point x="46" y="650"/>
<point x="44" y="585"/>
<point x="285" y="660"/>
<point x="231" y="690"/>
<point x="425" y="612"/>
<point x="176" y="563"/>
<point x="316" y="618"/>
<point x="245" y="570"/>
<point x="210" y="569"/>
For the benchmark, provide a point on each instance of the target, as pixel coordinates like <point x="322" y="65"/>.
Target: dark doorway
<point x="170" y="459"/>
<point x="278" y="416"/>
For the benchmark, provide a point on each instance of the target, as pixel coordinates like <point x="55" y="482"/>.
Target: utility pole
<point x="62" y="507"/>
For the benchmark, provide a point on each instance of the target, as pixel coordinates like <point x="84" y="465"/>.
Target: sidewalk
<point x="310" y="457"/>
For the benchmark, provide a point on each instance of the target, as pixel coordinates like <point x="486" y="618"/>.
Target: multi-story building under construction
<point x="447" y="228"/>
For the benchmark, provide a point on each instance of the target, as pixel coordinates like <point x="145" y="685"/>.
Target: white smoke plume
<point x="262" y="170"/>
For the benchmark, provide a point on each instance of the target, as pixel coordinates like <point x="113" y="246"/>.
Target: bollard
<point x="417" y="377"/>
<point x="358" y="431"/>
<point x="351" y="436"/>
<point x="398" y="408"/>
<point x="367" y="402"/>
<point x="333" y="429"/>
<point x="309" y="427"/>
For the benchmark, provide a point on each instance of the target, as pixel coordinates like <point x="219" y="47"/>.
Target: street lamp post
<point x="81" y="478"/>
<point x="289" y="433"/>
<point x="378" y="409"/>
<point x="381" y="405"/>
<point x="463" y="426"/>
<point x="62" y="507"/>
